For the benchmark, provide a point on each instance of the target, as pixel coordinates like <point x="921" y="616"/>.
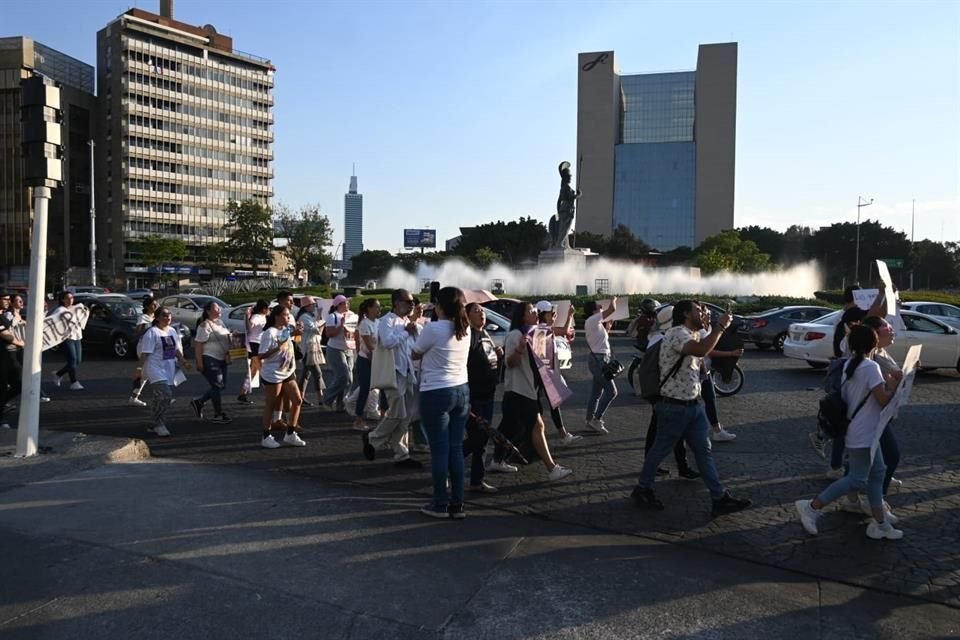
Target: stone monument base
<point x="563" y="257"/>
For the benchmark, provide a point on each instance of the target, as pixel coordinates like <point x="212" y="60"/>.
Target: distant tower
<point x="352" y="220"/>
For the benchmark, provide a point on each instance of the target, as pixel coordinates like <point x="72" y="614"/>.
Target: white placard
<point x="885" y="275"/>
<point x="58" y="326"/>
<point x="901" y="395"/>
<point x="864" y="297"/>
<point x="561" y="309"/>
<point x="622" y="312"/>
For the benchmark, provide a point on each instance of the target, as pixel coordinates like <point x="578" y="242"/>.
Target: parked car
<point x="189" y="308"/>
<point x="769" y="328"/>
<point x="94" y="290"/>
<point x="112" y="324"/>
<point x="943" y="312"/>
<point x="498" y="326"/>
<point x="235" y="317"/>
<point x="139" y="294"/>
<point x="813" y="341"/>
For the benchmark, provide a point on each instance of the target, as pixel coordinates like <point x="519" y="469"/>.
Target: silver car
<point x="942" y="312"/>
<point x="188" y="309"/>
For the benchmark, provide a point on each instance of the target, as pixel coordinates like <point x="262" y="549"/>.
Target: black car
<point x="113" y="322"/>
<point x="770" y="327"/>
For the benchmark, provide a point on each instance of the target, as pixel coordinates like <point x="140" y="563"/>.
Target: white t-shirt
<point x="215" y="339"/>
<point x="863" y="428"/>
<point x="597" y="337"/>
<point x="281" y="365"/>
<point x="344" y="340"/>
<point x="519" y="379"/>
<point x="444" y="357"/>
<point x="162" y="346"/>
<point x="257" y="323"/>
<point x="368" y="327"/>
<point x="145" y="319"/>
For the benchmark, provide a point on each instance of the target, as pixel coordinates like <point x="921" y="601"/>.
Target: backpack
<point x="648" y="373"/>
<point x="832" y="415"/>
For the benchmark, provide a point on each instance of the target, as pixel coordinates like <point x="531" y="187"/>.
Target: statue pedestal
<point x="563" y="257"/>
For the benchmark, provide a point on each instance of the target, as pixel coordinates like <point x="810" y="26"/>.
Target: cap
<point x="665" y="317"/>
<point x="339" y="300"/>
<point x="543" y="306"/>
<point x="306" y="301"/>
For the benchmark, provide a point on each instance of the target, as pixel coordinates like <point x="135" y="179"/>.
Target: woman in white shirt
<point x="603" y="390"/>
<point x="312" y="348"/>
<point x="443" y="347"/>
<point x="212" y="350"/>
<point x="143" y="325"/>
<point x="278" y="372"/>
<point x="369" y="312"/>
<point x="71" y="348"/>
<point x="865" y="392"/>
<point x="160" y="353"/>
<point x="255" y="320"/>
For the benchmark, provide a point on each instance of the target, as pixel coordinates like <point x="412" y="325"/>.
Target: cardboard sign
<point x="562" y="308"/>
<point x="238" y="347"/>
<point x="901" y="395"/>
<point x="622" y="312"/>
<point x="864" y="297"/>
<point x="58" y="326"/>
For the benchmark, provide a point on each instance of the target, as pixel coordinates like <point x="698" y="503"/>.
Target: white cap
<point x="543" y="306"/>
<point x="665" y="317"/>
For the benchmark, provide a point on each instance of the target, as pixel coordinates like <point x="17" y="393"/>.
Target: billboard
<point x="420" y="238"/>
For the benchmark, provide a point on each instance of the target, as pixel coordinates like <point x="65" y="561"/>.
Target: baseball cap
<point x="306" y="301"/>
<point x="339" y="300"/>
<point x="544" y="306"/>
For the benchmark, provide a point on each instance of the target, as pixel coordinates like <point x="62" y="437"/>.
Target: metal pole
<point x="856" y="262"/>
<point x="93" y="223"/>
<point x="913" y="219"/>
<point x="28" y="431"/>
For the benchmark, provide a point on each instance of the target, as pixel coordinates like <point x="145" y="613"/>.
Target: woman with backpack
<point x="865" y="391"/>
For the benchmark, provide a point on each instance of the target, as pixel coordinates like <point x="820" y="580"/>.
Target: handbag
<point x="314" y="352"/>
<point x="383" y="369"/>
<point x="552" y="383"/>
<point x="610" y="368"/>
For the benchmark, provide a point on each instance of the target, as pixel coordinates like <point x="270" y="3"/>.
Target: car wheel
<point x="778" y="342"/>
<point x="817" y="365"/>
<point x="120" y="346"/>
<point x="762" y="346"/>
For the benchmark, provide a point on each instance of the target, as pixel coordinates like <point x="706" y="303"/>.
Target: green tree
<point x="249" y="233"/>
<point x="156" y="250"/>
<point x="596" y="242"/>
<point x="515" y="241"/>
<point x="623" y="244"/>
<point x="485" y="256"/>
<point x="726" y="251"/>
<point x="834" y="247"/>
<point x="934" y="265"/>
<point x="769" y="241"/>
<point x="370" y="265"/>
<point x="308" y="234"/>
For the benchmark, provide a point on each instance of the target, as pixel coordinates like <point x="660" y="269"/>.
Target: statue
<point x="560" y="224"/>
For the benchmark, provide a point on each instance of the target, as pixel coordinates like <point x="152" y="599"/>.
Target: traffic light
<point x="42" y="143"/>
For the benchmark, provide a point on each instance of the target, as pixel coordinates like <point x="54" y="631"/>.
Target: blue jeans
<point x="603" y="390"/>
<point x="476" y="440"/>
<point x="709" y="394"/>
<point x="341" y="365"/>
<point x="215" y="373"/>
<point x="688" y="422"/>
<point x="862" y="474"/>
<point x="74" y="353"/>
<point x="443" y="413"/>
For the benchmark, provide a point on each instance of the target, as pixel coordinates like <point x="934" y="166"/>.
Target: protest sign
<point x="864" y="297"/>
<point x="59" y="325"/>
<point x="901" y="395"/>
<point x="622" y="312"/>
<point x="561" y="309"/>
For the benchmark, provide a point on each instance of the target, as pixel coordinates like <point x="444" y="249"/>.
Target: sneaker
<point x="221" y="418"/>
<point x="362" y="427"/>
<point x="808" y="515"/>
<point x="834" y="474"/>
<point x="728" y="504"/>
<point x="57" y="380"/>
<point x="456" y="511"/>
<point x="269" y="442"/>
<point x="408" y="463"/>
<point x="436" y="511"/>
<point x="722" y="436"/>
<point x="558" y="473"/>
<point x="879" y="530"/>
<point x="5" y="425"/>
<point x="645" y="499"/>
<point x="76" y="386"/>
<point x="483" y="487"/>
<point x="45" y="398"/>
<point x="688" y="474"/>
<point x="663" y="471"/>
<point x="137" y="402"/>
<point x="597" y="424"/>
<point x="569" y="438"/>
<point x="197" y="408"/>
<point x="819" y="443"/>
<point x="173" y="401"/>
<point x="369" y="452"/>
<point x="895" y="483"/>
<point x="244" y="399"/>
<point x="888" y="514"/>
<point x="161" y="431"/>
<point x="501" y="467"/>
<point x="293" y="440"/>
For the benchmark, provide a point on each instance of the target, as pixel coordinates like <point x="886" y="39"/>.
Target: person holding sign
<point x="160" y="354"/>
<point x="888" y="367"/>
<point x="604" y="389"/>
<point x="71" y="348"/>
<point x="546" y="314"/>
<point x="212" y="350"/>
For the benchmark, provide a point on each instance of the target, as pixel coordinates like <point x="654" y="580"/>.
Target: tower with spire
<point x="352" y="220"/>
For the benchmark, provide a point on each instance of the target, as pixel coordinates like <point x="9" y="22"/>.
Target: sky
<point x="457" y="113"/>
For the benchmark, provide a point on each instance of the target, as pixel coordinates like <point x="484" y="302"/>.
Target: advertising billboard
<point x="420" y="238"/>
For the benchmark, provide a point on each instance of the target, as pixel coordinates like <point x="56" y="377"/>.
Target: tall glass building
<point x="656" y="151"/>
<point x="352" y="222"/>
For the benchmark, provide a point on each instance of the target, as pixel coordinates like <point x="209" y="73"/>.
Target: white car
<point x="498" y="326"/>
<point x="188" y="309"/>
<point x="235" y="317"/>
<point x="942" y="312"/>
<point x="813" y="341"/>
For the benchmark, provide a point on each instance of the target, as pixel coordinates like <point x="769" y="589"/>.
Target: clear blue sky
<point x="457" y="113"/>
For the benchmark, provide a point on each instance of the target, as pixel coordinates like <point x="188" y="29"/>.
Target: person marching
<point x="341" y="349"/>
<point x="255" y="320"/>
<point x="483" y="374"/>
<point x="160" y="352"/>
<point x="212" y="350"/>
<point x="312" y="349"/>
<point x="546" y="313"/>
<point x="71" y="348"/>
<point x="369" y="312"/>
<point x="144" y="322"/>
<point x="603" y="390"/>
<point x="278" y="372"/>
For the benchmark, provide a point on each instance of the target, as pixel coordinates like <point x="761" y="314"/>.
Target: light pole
<point x="861" y="203"/>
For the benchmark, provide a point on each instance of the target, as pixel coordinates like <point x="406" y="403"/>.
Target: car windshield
<point x="831" y="318"/>
<point x="122" y="309"/>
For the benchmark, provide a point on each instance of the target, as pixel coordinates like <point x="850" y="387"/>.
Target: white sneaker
<point x="559" y="472"/>
<point x="808" y="515"/>
<point x="269" y="442"/>
<point x="570" y="438"/>
<point x="597" y="425"/>
<point x="877" y="531"/>
<point x="76" y="386"/>
<point x="293" y="440"/>
<point x="722" y="435"/>
<point x="161" y="431"/>
<point x="57" y="380"/>
<point x="895" y="486"/>
<point x="834" y="474"/>
<point x="502" y="467"/>
<point x="5" y="425"/>
<point x="888" y="514"/>
<point x="137" y="402"/>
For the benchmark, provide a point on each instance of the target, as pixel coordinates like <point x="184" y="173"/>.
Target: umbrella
<point x="478" y="295"/>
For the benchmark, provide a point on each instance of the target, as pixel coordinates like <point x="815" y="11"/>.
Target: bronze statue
<point x="560" y="224"/>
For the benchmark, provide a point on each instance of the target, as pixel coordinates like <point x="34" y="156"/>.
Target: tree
<point x="834" y="247"/>
<point x="307" y="233"/>
<point x="370" y="265"/>
<point x="726" y="251"/>
<point x="250" y="233"/>
<point x="515" y="241"/>
<point x="156" y="250"/>
<point x="768" y="240"/>
<point x="934" y="265"/>
<point x="623" y="244"/>
<point x="485" y="256"/>
<point x="596" y="242"/>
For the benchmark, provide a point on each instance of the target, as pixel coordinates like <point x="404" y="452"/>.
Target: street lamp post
<point x="861" y="203"/>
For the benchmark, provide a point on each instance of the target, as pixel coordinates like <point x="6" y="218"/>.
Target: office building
<point x="187" y="128"/>
<point x="655" y="152"/>
<point x="68" y="232"/>
<point x="352" y="222"/>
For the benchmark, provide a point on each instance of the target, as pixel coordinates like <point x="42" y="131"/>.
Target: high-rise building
<point x="352" y="222"/>
<point x="655" y="152"/>
<point x="187" y="127"/>
<point x="68" y="231"/>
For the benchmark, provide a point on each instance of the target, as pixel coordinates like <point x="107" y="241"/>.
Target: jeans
<point x="891" y="454"/>
<point x="688" y="422"/>
<point x="476" y="441"/>
<point x="341" y="365"/>
<point x="862" y="474"/>
<point x="679" y="449"/>
<point x="311" y="372"/>
<point x="443" y="413"/>
<point x="709" y="394"/>
<point x="603" y="390"/>
<point x="162" y="396"/>
<point x="215" y="373"/>
<point x="74" y="353"/>
<point x="364" y="371"/>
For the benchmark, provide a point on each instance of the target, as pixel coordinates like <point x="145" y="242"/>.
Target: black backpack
<point x="832" y="416"/>
<point x="648" y="373"/>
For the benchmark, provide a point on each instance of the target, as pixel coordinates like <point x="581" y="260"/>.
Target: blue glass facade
<point x="658" y="107"/>
<point x="654" y="192"/>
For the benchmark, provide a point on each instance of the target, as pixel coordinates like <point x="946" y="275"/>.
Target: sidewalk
<point x="160" y="549"/>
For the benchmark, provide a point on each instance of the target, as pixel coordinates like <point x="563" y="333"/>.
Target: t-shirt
<point x="344" y="340"/>
<point x="863" y="428"/>
<point x="368" y="328"/>
<point x="685" y="384"/>
<point x="483" y="364"/>
<point x="161" y="347"/>
<point x="519" y="379"/>
<point x="6" y="324"/>
<point x="444" y="362"/>
<point x="215" y="339"/>
<point x="597" y="337"/>
<point x="886" y="362"/>
<point x="257" y="323"/>
<point x="282" y="364"/>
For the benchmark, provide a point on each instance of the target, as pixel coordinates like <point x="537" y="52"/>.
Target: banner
<point x="58" y="326"/>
